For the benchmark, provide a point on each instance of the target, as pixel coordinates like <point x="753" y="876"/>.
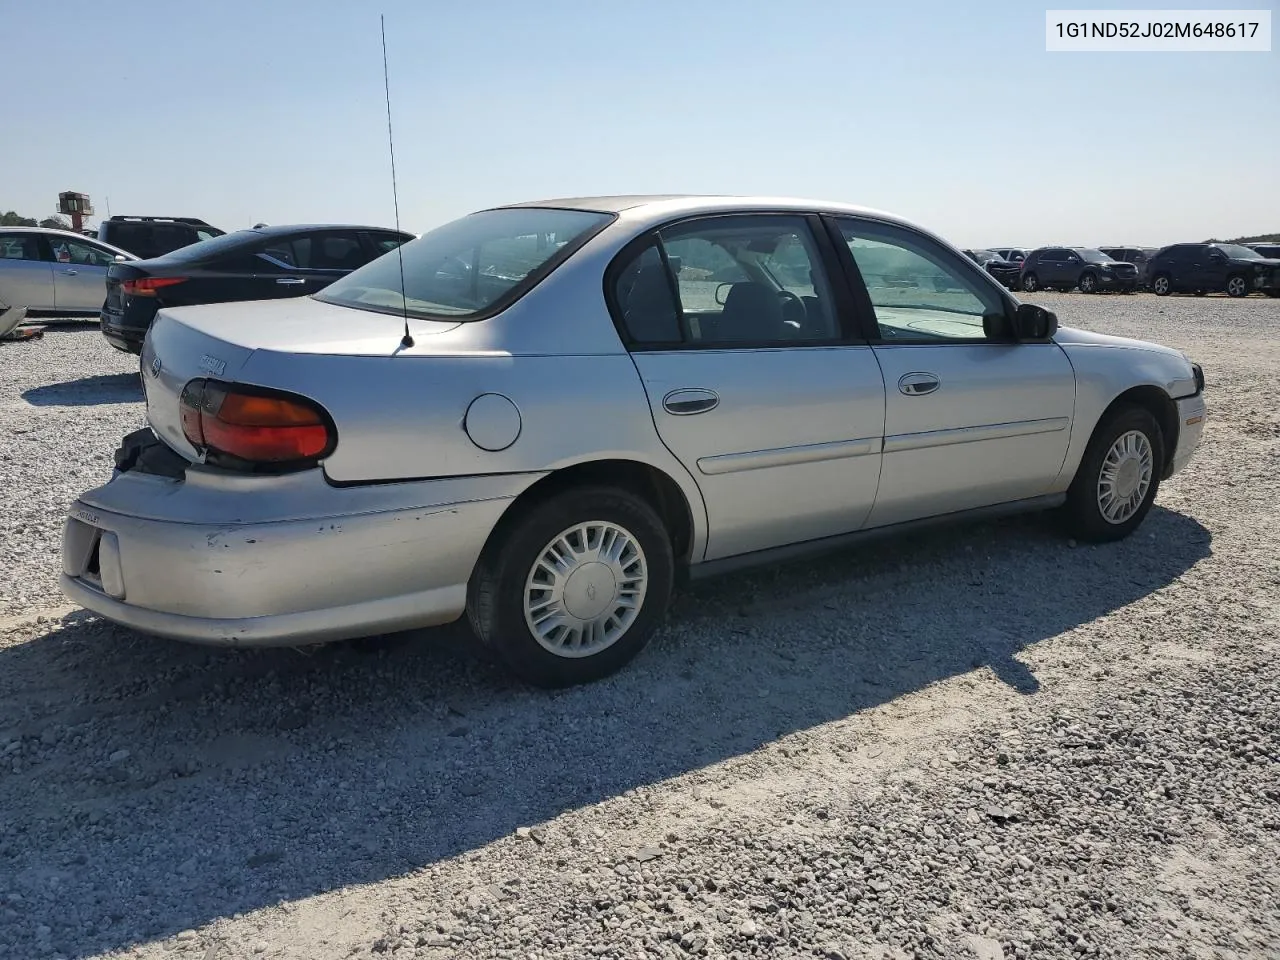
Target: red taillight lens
<point x="147" y="286"/>
<point x="254" y="425"/>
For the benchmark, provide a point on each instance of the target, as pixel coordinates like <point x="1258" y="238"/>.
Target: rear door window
<point x="19" y="247"/>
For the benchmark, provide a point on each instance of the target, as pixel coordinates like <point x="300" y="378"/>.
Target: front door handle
<point x="918" y="384"/>
<point x="690" y="400"/>
<point x="290" y="281"/>
<point x="70" y="273"/>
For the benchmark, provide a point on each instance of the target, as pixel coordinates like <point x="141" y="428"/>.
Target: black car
<point x="1212" y="267"/>
<point x="149" y="237"/>
<point x="264" y="263"/>
<point x="1140" y="257"/>
<point x="1269" y="250"/>
<point x="1007" y="273"/>
<point x="1065" y="268"/>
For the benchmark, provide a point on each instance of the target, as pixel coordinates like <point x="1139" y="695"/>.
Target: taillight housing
<point x="253" y="428"/>
<point x="147" y="286"/>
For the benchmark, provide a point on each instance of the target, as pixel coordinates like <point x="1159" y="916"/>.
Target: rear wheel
<point x="1118" y="477"/>
<point x="575" y="587"/>
<point x="1088" y="283"/>
<point x="1237" y="285"/>
<point x="1030" y="282"/>
<point x="1161" y="286"/>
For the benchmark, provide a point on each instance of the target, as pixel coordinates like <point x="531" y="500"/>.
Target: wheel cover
<point x="1236" y="286"/>
<point x="586" y="589"/>
<point x="1125" y="476"/>
<point x="1161" y="285"/>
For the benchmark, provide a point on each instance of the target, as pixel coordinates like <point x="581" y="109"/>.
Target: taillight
<point x="147" y="286"/>
<point x="255" y="425"/>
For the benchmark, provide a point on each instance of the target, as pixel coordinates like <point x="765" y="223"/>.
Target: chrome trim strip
<point x="787" y="456"/>
<point x="992" y="431"/>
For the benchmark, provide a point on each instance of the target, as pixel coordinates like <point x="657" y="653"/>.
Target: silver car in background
<point x="571" y="404"/>
<point x="54" y="271"/>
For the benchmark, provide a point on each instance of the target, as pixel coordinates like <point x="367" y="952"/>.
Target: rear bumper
<point x="269" y="561"/>
<point x="126" y="330"/>
<point x="1191" y="417"/>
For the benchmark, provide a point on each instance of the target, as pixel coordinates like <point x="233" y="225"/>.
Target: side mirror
<point x="722" y="293"/>
<point x="1034" y="323"/>
<point x="121" y="258"/>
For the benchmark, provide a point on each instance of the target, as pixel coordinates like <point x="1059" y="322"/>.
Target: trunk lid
<point x="217" y="340"/>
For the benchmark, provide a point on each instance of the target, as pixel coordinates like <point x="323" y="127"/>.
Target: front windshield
<point x="1237" y="252"/>
<point x="470" y="266"/>
<point x="1093" y="256"/>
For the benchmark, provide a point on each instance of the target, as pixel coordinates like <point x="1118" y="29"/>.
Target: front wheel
<point x="1161" y="285"/>
<point x="1118" y="477"/>
<point x="574" y="588"/>
<point x="1237" y="286"/>
<point x="1030" y="283"/>
<point x="1088" y="283"/>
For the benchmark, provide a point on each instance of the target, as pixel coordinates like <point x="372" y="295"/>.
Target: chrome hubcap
<point x="1086" y="285"/>
<point x="1125" y="477"/>
<point x="585" y="589"/>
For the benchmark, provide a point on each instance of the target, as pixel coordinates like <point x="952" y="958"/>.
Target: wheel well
<point x="1161" y="406"/>
<point x="649" y="483"/>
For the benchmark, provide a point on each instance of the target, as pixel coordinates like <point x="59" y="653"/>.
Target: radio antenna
<point x="406" y="340"/>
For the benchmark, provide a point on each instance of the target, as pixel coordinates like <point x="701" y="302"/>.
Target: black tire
<point x="495" y="596"/>
<point x="1030" y="282"/>
<point x="1237" y="286"/>
<point x="1161" y="285"/>
<point x="1088" y="282"/>
<point x="1082" y="513"/>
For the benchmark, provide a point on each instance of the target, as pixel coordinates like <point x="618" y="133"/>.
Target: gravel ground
<point x="981" y="743"/>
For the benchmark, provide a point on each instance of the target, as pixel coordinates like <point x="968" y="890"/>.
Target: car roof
<point x="658" y="207"/>
<point x="277" y="229"/>
<point x="70" y="235"/>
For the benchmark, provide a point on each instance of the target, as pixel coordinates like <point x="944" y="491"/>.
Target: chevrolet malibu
<point x="543" y="416"/>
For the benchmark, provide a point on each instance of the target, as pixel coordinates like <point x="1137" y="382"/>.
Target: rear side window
<point x="472" y="267"/>
<point x="18" y="247"/>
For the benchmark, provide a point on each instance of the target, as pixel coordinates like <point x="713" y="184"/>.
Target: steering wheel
<point x="794" y="312"/>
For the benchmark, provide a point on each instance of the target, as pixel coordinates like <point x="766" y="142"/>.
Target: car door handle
<point x="70" y="273"/>
<point x="690" y="400"/>
<point x="918" y="384"/>
<point x="290" y="281"/>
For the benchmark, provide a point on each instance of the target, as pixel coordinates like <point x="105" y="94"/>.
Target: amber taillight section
<point x="254" y="425"/>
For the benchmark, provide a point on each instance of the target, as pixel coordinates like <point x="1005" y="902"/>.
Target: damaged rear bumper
<point x="277" y="560"/>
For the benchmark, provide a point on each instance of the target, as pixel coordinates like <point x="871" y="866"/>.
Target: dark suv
<point x="1209" y="267"/>
<point x="149" y="237"/>
<point x="1140" y="257"/>
<point x="1064" y="268"/>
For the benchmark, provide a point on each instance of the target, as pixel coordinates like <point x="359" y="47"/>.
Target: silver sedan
<point x="54" y="270"/>
<point x="570" y="405"/>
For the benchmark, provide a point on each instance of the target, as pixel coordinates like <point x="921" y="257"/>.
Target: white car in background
<point x="54" y="271"/>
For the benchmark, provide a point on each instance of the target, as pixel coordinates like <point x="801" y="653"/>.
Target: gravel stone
<point x="981" y="742"/>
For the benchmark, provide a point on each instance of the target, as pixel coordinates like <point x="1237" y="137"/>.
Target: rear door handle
<point x="290" y="281"/>
<point x="690" y="400"/>
<point x="918" y="384"/>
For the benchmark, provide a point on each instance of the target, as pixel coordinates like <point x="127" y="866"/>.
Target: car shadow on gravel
<point x="156" y="786"/>
<point x="87" y="391"/>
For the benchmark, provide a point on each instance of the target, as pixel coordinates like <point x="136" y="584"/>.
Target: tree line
<point x="13" y="219"/>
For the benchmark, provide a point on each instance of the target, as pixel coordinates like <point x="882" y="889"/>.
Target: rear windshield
<point x="204" y="249"/>
<point x="471" y="267"/>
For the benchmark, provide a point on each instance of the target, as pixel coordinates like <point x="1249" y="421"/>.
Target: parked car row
<point x="1231" y="268"/>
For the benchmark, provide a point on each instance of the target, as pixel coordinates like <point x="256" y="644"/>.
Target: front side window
<point x="918" y="289"/>
<point x="1236" y="252"/>
<point x="76" y="253"/>
<point x="470" y="267"/>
